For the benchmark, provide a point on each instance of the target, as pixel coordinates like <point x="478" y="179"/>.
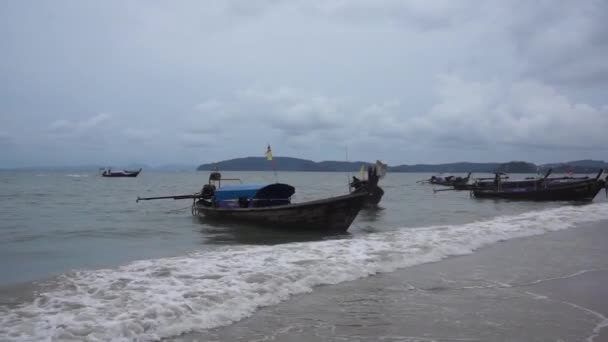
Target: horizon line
<point x="196" y="165"/>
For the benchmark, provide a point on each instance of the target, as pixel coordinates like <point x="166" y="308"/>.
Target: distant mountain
<point x="517" y="167"/>
<point x="296" y="164"/>
<point x="342" y="166"/>
<point x="450" y="167"/>
<point x="577" y="166"/>
<point x="281" y="164"/>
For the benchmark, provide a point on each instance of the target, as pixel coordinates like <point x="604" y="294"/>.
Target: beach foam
<point x="152" y="299"/>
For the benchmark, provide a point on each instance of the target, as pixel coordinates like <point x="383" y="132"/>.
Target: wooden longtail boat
<point x="330" y="214"/>
<point x="123" y="173"/>
<point x="573" y="191"/>
<point x="545" y="189"/>
<point x="270" y="205"/>
<point x="447" y="181"/>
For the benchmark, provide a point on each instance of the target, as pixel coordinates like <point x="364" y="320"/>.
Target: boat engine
<point x="208" y="191"/>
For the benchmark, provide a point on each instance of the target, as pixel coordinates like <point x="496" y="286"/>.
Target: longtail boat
<point x="123" y="173"/>
<point x="543" y="189"/>
<point x="447" y="180"/>
<point x="270" y="205"/>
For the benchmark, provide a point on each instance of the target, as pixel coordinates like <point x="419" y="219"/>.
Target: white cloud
<point x="292" y="111"/>
<point x="525" y="113"/>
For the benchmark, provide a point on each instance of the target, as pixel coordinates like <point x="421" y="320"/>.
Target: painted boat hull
<point x="334" y="214"/>
<point x="577" y="191"/>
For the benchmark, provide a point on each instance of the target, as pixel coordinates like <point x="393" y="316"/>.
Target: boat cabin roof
<point x="257" y="191"/>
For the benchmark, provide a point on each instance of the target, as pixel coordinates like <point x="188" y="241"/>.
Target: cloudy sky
<point x="115" y="82"/>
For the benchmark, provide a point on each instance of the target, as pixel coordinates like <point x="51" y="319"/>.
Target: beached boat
<point x="270" y="205"/>
<point x="544" y="189"/>
<point x="123" y="173"/>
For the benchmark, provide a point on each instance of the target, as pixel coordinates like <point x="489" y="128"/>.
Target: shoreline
<point x="543" y="288"/>
<point x="494" y="293"/>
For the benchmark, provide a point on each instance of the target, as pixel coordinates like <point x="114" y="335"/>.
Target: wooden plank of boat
<point x="330" y="214"/>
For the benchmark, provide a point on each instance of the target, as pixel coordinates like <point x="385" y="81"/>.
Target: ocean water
<point x="108" y="268"/>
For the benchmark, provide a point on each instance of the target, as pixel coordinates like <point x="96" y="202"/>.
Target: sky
<point x="158" y="82"/>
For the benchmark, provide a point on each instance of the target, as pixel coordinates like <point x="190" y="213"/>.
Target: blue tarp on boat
<point x="229" y="192"/>
<point x="253" y="195"/>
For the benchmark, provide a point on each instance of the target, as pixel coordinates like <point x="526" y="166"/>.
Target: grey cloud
<point x="190" y="139"/>
<point x="79" y="127"/>
<point x="5" y="139"/>
<point x="251" y="8"/>
<point x="563" y="42"/>
<point x="417" y="15"/>
<point x="139" y="135"/>
<point x="399" y="80"/>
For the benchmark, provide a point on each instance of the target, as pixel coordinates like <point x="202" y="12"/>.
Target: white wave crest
<point x="152" y="299"/>
<point x="73" y="175"/>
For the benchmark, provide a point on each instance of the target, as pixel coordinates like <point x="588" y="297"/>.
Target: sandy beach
<point x="542" y="288"/>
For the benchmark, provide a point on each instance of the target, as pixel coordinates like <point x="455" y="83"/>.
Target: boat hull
<point x="374" y="197"/>
<point x="334" y="214"/>
<point x="579" y="191"/>
<point x="130" y="174"/>
<point x="121" y="175"/>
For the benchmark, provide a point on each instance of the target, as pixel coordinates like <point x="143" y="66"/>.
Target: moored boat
<point x="447" y="180"/>
<point x="330" y="214"/>
<point x="123" y="173"/>
<point x="544" y="189"/>
<point x="270" y="205"/>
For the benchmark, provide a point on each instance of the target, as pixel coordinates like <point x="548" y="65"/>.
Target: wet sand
<point x="550" y="287"/>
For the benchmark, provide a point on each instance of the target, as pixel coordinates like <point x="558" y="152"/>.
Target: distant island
<point x="296" y="164"/>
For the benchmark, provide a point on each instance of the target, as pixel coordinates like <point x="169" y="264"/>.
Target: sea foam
<point x="76" y="175"/>
<point x="152" y="299"/>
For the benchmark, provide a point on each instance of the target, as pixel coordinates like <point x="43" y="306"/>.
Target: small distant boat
<point x="123" y="173"/>
<point x="270" y="205"/>
<point x="447" y="181"/>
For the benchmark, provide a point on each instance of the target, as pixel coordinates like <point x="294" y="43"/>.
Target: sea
<point x="80" y="259"/>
